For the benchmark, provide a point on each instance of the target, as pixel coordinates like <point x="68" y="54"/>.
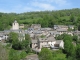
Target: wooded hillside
<point x="45" y="18"/>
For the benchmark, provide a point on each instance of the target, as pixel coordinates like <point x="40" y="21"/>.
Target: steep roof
<point x="34" y="41"/>
<point x="61" y="29"/>
<point x="58" y="41"/>
<point x="47" y="39"/>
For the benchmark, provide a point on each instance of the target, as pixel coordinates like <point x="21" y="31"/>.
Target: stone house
<point x="60" y="27"/>
<point x="62" y="31"/>
<point x="48" y="42"/>
<point x="21" y="26"/>
<point x="36" y="26"/>
<point x="34" y="44"/>
<point x="71" y="26"/>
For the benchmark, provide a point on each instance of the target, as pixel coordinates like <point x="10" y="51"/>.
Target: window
<point x="56" y="45"/>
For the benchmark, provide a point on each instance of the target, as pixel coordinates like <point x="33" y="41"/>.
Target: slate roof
<point x="37" y="32"/>
<point x="58" y="41"/>
<point x="34" y="41"/>
<point x="62" y="30"/>
<point x="47" y="39"/>
<point x="43" y="29"/>
<point x="60" y="26"/>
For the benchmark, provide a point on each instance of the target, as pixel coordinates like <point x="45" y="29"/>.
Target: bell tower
<point x="15" y="25"/>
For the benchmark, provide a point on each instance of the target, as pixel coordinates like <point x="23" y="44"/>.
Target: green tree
<point x="16" y="45"/>
<point x="79" y="27"/>
<point x="3" y="53"/>
<point x="1" y="26"/>
<point x="78" y="52"/>
<point x="60" y="37"/>
<point x="68" y="46"/>
<point x="27" y="37"/>
<point x="45" y="54"/>
<point x="75" y="38"/>
<point x="23" y="54"/>
<point x="58" y="55"/>
<point x="14" y="55"/>
<point x="25" y="44"/>
<point x="13" y="37"/>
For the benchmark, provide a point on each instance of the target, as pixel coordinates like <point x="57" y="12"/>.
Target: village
<point x="40" y="37"/>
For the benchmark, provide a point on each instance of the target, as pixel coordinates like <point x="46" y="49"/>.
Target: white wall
<point x="15" y="26"/>
<point x="51" y="43"/>
<point x="61" y="44"/>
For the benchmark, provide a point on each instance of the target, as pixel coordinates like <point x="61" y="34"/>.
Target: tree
<point x="23" y="54"/>
<point x="3" y="53"/>
<point x="68" y="46"/>
<point x="72" y="18"/>
<point x="75" y="38"/>
<point x="45" y="54"/>
<point x="16" y="45"/>
<point x="14" y="55"/>
<point x="78" y="52"/>
<point x="28" y="42"/>
<point x="1" y="26"/>
<point x="79" y="27"/>
<point x="13" y="37"/>
<point x="25" y="44"/>
<point x="27" y="37"/>
<point x="58" y="55"/>
<point x="60" y="37"/>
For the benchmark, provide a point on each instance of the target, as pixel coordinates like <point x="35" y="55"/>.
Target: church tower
<point x="15" y="25"/>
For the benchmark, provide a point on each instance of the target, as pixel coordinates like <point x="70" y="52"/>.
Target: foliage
<point x="23" y="54"/>
<point x="69" y="47"/>
<point x="42" y="36"/>
<point x="16" y="45"/>
<point x="78" y="52"/>
<point x="13" y="37"/>
<point x="75" y="38"/>
<point x="3" y="53"/>
<point x="19" y="45"/>
<point x="79" y="27"/>
<point x="27" y="43"/>
<point x="58" y="55"/>
<point x="14" y="55"/>
<point x="60" y="37"/>
<point x="27" y="37"/>
<point x="45" y="54"/>
<point x="45" y="18"/>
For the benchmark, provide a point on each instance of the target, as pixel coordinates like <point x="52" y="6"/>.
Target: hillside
<point x="45" y="18"/>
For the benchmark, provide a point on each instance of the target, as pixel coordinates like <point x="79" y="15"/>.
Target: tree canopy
<point x="45" y="54"/>
<point x="45" y="18"/>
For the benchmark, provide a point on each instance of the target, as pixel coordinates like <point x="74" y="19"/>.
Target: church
<point x="15" y="28"/>
<point x="15" y="25"/>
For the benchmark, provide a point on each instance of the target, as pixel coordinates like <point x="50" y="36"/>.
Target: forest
<point x="45" y="18"/>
